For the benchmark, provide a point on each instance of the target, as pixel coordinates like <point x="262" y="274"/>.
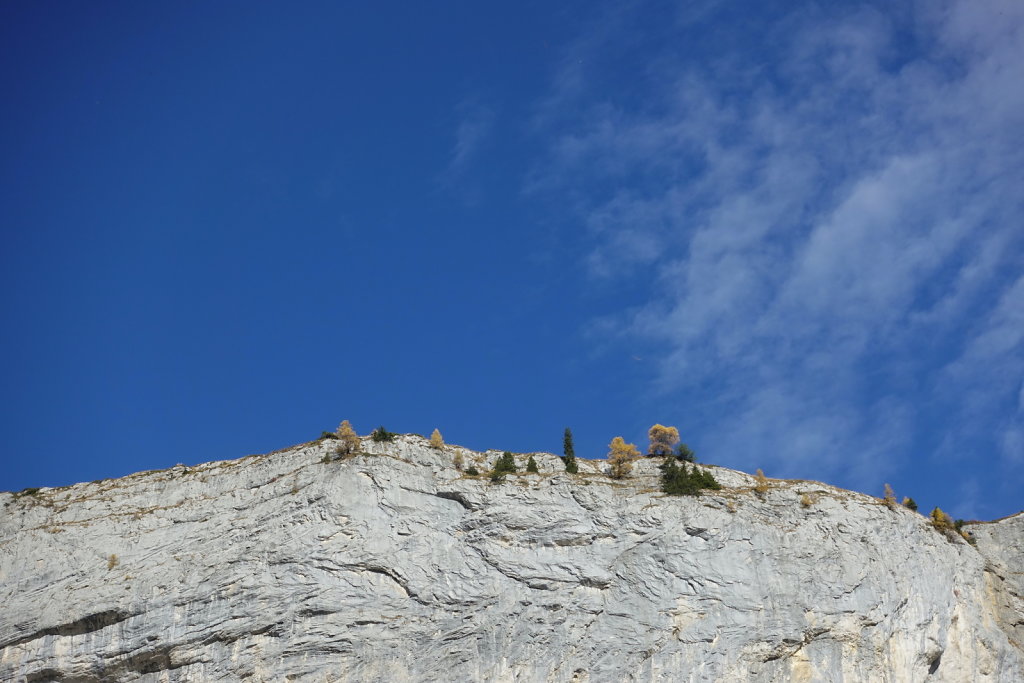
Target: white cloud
<point x="471" y="133"/>
<point x="832" y="231"/>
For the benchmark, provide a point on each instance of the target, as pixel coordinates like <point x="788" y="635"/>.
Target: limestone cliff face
<point x="392" y="566"/>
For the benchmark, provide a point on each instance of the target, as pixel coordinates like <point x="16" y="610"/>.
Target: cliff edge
<point x="394" y="566"/>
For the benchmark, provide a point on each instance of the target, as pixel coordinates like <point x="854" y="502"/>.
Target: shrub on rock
<point x="381" y="435"/>
<point x="761" y="483"/>
<point x="680" y="480"/>
<point x="502" y="466"/>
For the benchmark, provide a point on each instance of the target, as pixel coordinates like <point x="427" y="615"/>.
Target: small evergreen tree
<point x="685" y="453"/>
<point x="707" y="480"/>
<point x="663" y="440"/>
<point x="502" y="466"/>
<point x="909" y="503"/>
<point x="680" y="480"/>
<point x="435" y="440"/>
<point x="381" y="435"/>
<point x="508" y="462"/>
<point x="472" y="471"/>
<point x="676" y="481"/>
<point x="570" y="453"/>
<point x="531" y="465"/>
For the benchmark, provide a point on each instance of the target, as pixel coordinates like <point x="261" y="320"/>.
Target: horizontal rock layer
<point x="394" y="566"/>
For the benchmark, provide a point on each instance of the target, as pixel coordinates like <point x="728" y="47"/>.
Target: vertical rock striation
<point x="392" y="566"/>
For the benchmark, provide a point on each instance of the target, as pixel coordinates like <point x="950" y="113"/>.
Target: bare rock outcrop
<point x="394" y="566"/>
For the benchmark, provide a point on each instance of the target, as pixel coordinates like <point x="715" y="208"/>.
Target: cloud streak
<point x="833" y="234"/>
<point x="471" y="133"/>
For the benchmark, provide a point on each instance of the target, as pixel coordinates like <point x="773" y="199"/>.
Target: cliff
<point x="393" y="566"/>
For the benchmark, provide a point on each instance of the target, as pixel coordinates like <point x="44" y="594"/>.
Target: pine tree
<point x="909" y="503"/>
<point x="508" y="462"/>
<point x="685" y="453"/>
<point x="502" y="466"/>
<point x="380" y="434"/>
<point x="678" y="479"/>
<point x="674" y="479"/>
<point x="570" y="453"/>
<point x="457" y="460"/>
<point x="531" y="465"/>
<point x="435" y="440"/>
<point x="706" y="479"/>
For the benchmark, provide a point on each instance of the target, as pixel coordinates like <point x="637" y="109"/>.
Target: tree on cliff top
<point x="348" y="438"/>
<point x="502" y="466"/>
<point x="889" y="497"/>
<point x="570" y="453"/>
<point x="663" y="440"/>
<point x="621" y="456"/>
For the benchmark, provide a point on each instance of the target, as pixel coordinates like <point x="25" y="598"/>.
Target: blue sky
<point x="795" y="231"/>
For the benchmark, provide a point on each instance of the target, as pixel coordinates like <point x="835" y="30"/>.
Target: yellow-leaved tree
<point x="435" y="440"/>
<point x="663" y="440"/>
<point x="889" y="496"/>
<point x="760" y="482"/>
<point x="348" y="438"/>
<point x="940" y="520"/>
<point x="621" y="456"/>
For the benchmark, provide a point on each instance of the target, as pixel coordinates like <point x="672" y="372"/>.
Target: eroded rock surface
<point x="392" y="566"/>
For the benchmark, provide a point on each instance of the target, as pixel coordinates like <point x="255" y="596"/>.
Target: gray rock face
<point x="393" y="566"/>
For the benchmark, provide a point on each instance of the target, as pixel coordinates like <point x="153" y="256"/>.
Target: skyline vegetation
<point x="677" y="478"/>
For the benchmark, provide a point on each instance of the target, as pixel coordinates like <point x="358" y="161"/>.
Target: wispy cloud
<point x="471" y="133"/>
<point x="835" y="232"/>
